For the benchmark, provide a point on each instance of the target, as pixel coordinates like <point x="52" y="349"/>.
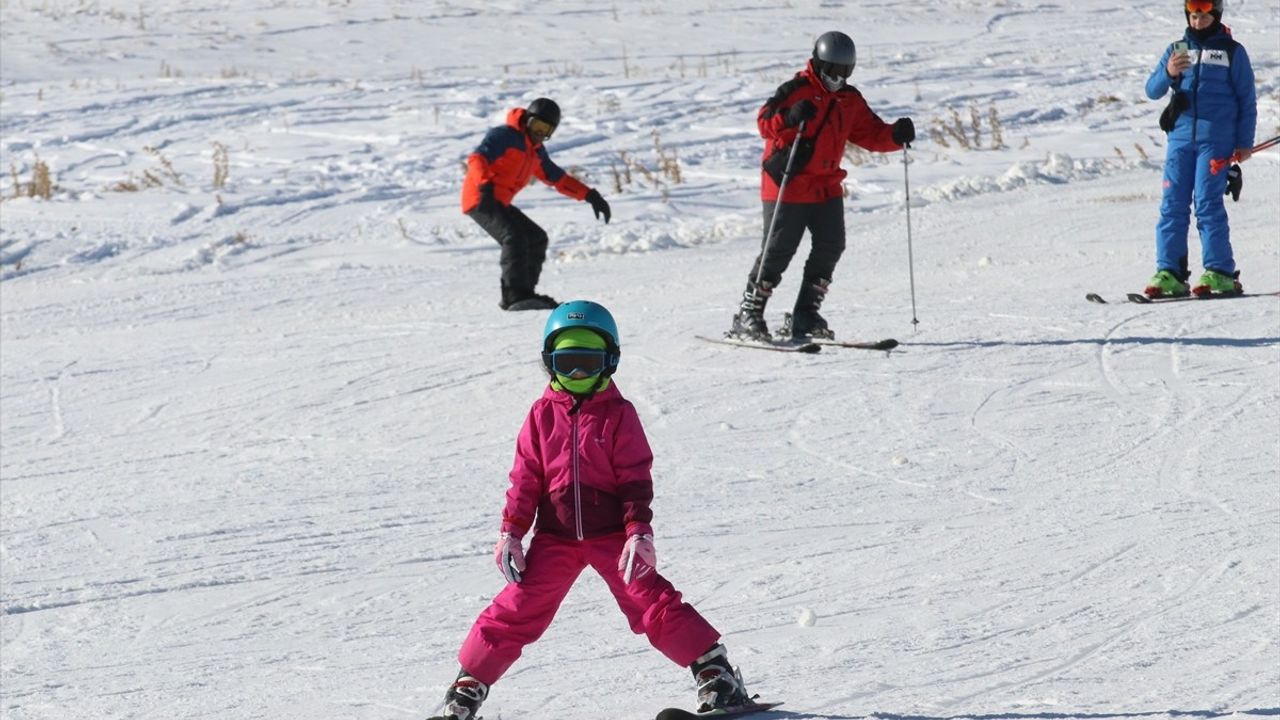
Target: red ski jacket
<point x="507" y="157"/>
<point x="843" y="116"/>
<point x="583" y="475"/>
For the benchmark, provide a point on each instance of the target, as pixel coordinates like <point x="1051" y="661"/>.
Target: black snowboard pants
<point x="825" y="223"/>
<point x="523" y="243"/>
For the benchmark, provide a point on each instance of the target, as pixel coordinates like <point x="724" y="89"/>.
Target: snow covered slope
<point x="257" y="401"/>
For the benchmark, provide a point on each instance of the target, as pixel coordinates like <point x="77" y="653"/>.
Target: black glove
<point x="801" y="111"/>
<point x="904" y="131"/>
<point x="487" y="199"/>
<point x="1235" y="181"/>
<point x="598" y="205"/>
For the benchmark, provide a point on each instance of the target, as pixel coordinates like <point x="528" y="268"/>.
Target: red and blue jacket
<point x="506" y="158"/>
<point x="843" y="116"/>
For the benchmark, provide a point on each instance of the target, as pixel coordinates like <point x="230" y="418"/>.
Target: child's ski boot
<point x="719" y="685"/>
<point x="463" y="699"/>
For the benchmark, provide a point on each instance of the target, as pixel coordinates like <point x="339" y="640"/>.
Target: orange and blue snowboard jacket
<point x="506" y="158"/>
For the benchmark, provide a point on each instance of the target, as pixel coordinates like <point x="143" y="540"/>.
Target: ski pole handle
<point x="1216" y="164"/>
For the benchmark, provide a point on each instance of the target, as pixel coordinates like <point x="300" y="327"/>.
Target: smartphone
<point x="1181" y="46"/>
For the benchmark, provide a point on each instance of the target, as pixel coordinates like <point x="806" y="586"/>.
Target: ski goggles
<point x="1204" y="7"/>
<point x="541" y="128"/>
<point x="577" y="363"/>
<point x="835" y="70"/>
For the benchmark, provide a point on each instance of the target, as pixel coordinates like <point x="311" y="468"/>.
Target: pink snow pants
<point x="524" y="610"/>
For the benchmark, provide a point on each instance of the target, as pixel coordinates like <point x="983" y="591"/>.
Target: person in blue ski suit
<point x="1212" y="74"/>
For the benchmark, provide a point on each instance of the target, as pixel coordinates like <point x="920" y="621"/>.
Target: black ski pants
<point x="825" y="223"/>
<point x="523" y="243"/>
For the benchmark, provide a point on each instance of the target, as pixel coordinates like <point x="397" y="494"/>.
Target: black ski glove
<point x="598" y="205"/>
<point x="904" y="131"/>
<point x="800" y="112"/>
<point x="1235" y="181"/>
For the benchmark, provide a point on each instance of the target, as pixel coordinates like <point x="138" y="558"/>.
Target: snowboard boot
<point x="719" y="685"/>
<point x="749" y="323"/>
<point x="1213" y="282"/>
<point x="515" y="299"/>
<point x="464" y="697"/>
<point x="1165" y="284"/>
<point x="805" y="322"/>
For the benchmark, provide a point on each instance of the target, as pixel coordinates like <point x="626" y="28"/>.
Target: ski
<point x="775" y="345"/>
<point x="886" y="345"/>
<point x="1141" y="299"/>
<point x="741" y="710"/>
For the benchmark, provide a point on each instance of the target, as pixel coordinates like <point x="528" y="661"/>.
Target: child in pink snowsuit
<point x="581" y="481"/>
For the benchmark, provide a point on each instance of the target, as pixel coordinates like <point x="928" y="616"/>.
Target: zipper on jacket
<point x="1195" y="96"/>
<point x="577" y="485"/>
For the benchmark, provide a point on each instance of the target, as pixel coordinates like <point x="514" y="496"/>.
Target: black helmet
<point x="545" y="109"/>
<point x="835" y="54"/>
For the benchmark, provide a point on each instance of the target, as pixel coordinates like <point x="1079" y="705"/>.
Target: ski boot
<point x="1165" y="283"/>
<point x="805" y="322"/>
<point x="1213" y="282"/>
<point x="719" y="685"/>
<point x="463" y="699"/>
<point x="749" y="323"/>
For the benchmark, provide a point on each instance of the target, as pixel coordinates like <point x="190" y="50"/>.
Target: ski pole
<point x="1216" y="165"/>
<point x="911" y="264"/>
<point x="777" y="205"/>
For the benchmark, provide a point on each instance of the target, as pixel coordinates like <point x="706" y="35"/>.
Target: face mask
<point x="831" y="83"/>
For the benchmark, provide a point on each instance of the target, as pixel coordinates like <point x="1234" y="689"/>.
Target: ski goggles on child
<point x="541" y="128"/>
<point x="577" y="363"/>
<point x="1204" y="7"/>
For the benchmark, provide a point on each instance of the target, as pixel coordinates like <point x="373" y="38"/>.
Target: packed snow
<point x="258" y="402"/>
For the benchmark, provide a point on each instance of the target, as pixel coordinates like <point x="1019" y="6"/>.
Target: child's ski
<point x="776" y="345"/>
<point x="741" y="710"/>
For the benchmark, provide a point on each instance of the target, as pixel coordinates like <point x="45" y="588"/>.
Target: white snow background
<point x="256" y="428"/>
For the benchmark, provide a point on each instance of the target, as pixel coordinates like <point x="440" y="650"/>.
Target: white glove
<point x="638" y="558"/>
<point x="509" y="554"/>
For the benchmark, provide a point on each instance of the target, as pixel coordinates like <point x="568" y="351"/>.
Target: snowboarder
<point x="1212" y="114"/>
<point x="831" y="113"/>
<point x="581" y="480"/>
<point x="499" y="169"/>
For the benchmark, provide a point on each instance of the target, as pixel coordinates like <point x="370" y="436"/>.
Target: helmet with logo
<point x="834" y="54"/>
<point x="580" y="345"/>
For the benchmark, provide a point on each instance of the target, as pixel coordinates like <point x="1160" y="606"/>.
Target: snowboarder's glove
<point x="904" y="131"/>
<point x="487" y="199"/>
<point x="1235" y="181"/>
<point x="800" y="112"/>
<point x="598" y="205"/>
<point x="509" y="554"/>
<point x="638" y="557"/>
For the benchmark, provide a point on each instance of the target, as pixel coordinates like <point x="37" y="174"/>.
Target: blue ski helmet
<point x="582" y="314"/>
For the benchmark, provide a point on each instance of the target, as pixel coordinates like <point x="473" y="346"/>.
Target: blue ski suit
<point x="1221" y="115"/>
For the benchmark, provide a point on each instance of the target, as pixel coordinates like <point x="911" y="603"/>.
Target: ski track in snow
<point x="256" y="436"/>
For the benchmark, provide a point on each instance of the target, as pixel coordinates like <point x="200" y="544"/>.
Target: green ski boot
<point x="1213" y="282"/>
<point x="1165" y="284"/>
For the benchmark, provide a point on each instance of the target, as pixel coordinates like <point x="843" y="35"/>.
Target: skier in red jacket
<point x="499" y="169"/>
<point x="832" y="113"/>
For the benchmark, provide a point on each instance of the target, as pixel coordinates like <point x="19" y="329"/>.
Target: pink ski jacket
<point x="582" y="476"/>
